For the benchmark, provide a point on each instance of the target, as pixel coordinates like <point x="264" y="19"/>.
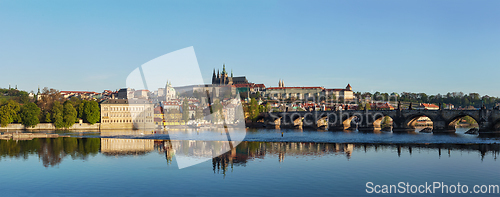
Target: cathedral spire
<point x="213" y="77"/>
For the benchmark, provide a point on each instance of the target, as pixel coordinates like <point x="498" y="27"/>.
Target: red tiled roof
<point x="382" y="105"/>
<point x="241" y="85"/>
<point x="278" y="88"/>
<point x="170" y="103"/>
<point x="78" y="92"/>
<point x="429" y="105"/>
<point x="336" y="90"/>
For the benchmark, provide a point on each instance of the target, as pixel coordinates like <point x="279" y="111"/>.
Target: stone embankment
<point x="27" y="136"/>
<point x="50" y="126"/>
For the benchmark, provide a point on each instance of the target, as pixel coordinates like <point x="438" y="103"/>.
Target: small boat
<point x="473" y="131"/>
<point x="426" y="130"/>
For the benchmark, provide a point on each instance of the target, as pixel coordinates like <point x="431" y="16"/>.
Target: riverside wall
<point x="50" y="126"/>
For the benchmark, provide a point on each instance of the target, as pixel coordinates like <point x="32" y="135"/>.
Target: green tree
<point x="198" y="114"/>
<point x="91" y="112"/>
<point x="69" y="114"/>
<point x="29" y="115"/>
<point x="216" y="111"/>
<point x="185" y="110"/>
<point x="368" y="106"/>
<point x="81" y="109"/>
<point x="9" y="113"/>
<point x="265" y="108"/>
<point x="253" y="109"/>
<point x="257" y="95"/>
<point x="361" y="106"/>
<point x="57" y="114"/>
<point x="47" y="117"/>
<point x="386" y="122"/>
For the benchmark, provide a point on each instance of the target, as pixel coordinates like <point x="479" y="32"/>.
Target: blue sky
<point x="382" y="45"/>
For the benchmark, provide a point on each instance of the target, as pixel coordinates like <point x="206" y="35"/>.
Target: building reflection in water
<point x="117" y="146"/>
<point x="247" y="151"/>
<point x="53" y="151"/>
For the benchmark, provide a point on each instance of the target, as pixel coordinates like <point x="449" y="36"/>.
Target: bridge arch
<point x="380" y="122"/>
<point x="452" y="123"/>
<point x="411" y="121"/>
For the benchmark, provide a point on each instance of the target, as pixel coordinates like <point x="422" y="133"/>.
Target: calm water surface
<point x="301" y="163"/>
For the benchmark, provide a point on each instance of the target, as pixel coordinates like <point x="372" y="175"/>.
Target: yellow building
<point x="127" y="114"/>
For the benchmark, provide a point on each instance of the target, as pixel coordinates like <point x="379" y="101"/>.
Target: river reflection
<point x="52" y="151"/>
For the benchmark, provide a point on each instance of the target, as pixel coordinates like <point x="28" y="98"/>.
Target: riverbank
<point x="50" y="126"/>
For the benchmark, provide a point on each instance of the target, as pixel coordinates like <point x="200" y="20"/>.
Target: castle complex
<point x="222" y="78"/>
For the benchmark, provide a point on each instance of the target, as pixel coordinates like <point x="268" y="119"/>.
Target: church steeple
<point x="213" y="77"/>
<point x="224" y="69"/>
<point x="231" y="73"/>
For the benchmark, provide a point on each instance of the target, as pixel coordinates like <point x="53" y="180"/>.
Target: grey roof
<point x="239" y="79"/>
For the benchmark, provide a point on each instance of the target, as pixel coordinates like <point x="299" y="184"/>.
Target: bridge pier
<point x="271" y="122"/>
<point x="310" y="121"/>
<point x="440" y="126"/>
<point x="291" y="121"/>
<point x="338" y="123"/>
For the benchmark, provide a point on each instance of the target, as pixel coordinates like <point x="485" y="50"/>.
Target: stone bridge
<point x="444" y="121"/>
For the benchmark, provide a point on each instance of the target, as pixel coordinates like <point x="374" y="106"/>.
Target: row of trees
<point x="455" y="98"/>
<point x="26" y="114"/>
<point x="47" y="109"/>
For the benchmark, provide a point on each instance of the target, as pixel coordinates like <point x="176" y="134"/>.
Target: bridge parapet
<point x="403" y="120"/>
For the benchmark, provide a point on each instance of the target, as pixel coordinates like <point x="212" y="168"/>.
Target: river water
<point x="299" y="163"/>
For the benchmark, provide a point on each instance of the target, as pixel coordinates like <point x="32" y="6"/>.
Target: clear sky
<point x="375" y="45"/>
